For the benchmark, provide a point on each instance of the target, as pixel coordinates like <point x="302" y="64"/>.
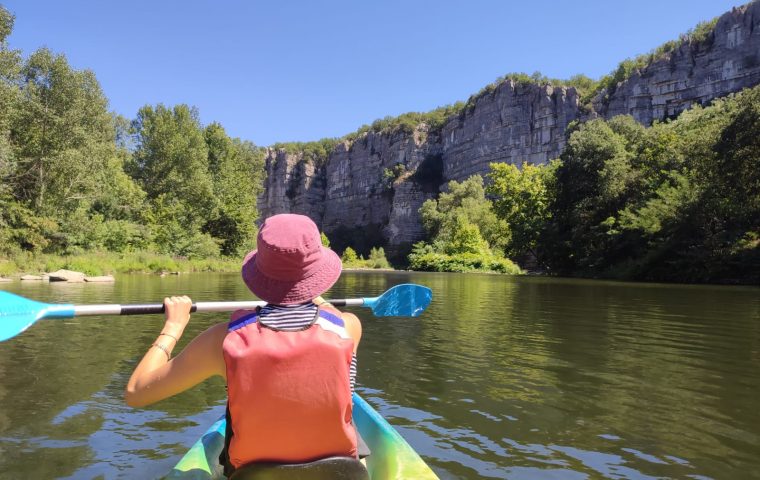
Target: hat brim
<point x="292" y="292"/>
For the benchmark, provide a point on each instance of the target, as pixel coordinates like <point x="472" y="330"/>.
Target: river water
<point x="502" y="377"/>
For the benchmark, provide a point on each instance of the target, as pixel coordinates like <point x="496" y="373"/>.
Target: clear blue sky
<point x="287" y="70"/>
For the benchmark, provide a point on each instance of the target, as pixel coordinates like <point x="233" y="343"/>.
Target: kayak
<point x="391" y="457"/>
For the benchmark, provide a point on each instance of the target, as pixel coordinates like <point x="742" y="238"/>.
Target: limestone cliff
<point x="727" y="61"/>
<point x="515" y="123"/>
<point x="374" y="185"/>
<point x="367" y="191"/>
<point x="294" y="184"/>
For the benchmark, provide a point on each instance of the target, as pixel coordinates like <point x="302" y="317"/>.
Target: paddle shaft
<point x="18" y="313"/>
<point x="153" y="308"/>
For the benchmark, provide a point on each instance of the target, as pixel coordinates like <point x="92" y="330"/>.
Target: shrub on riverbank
<point x="465" y="233"/>
<point x="430" y="261"/>
<point x="102" y="263"/>
<point x="375" y="260"/>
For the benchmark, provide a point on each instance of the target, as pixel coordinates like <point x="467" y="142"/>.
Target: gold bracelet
<point x="166" y="350"/>
<point x="170" y="336"/>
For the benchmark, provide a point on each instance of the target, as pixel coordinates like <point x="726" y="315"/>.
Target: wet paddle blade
<point x="405" y="300"/>
<point x="19" y="313"/>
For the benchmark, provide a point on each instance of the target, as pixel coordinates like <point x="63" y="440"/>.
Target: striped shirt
<point x="291" y="318"/>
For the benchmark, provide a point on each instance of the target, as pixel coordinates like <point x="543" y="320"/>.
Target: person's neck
<point x="292" y="305"/>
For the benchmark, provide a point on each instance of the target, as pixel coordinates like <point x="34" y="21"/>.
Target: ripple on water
<point x="502" y="377"/>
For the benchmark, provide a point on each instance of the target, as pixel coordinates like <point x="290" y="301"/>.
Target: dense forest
<point x="677" y="201"/>
<point x="76" y="178"/>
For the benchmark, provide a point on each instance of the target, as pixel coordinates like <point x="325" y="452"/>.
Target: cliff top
<point x="587" y="88"/>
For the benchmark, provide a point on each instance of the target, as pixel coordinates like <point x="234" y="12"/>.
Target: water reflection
<point x="558" y="376"/>
<point x="501" y="378"/>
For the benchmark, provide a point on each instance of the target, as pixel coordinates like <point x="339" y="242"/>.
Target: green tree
<point x="522" y="198"/>
<point x="10" y="63"/>
<point x="21" y="229"/>
<point x="325" y="240"/>
<point x="62" y="135"/>
<point x="734" y="178"/>
<point x="664" y="206"/>
<point x="173" y="232"/>
<point x="171" y="163"/>
<point x="236" y="169"/>
<point x="64" y="166"/>
<point x="466" y="238"/>
<point x="172" y="160"/>
<point x="9" y="74"/>
<point x="466" y="200"/>
<point x="593" y="183"/>
<point x="377" y="258"/>
<point x="464" y="232"/>
<point x="349" y="256"/>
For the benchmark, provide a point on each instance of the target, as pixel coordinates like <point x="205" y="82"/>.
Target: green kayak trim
<point x="391" y="458"/>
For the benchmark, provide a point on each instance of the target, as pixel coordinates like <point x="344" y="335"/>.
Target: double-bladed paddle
<point x="18" y="313"/>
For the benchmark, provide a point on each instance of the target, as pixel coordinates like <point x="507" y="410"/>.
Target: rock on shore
<point x="101" y="279"/>
<point x="67" y="276"/>
<point x="31" y="278"/>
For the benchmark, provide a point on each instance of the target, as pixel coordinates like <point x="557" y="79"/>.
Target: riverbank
<point x="109" y="263"/>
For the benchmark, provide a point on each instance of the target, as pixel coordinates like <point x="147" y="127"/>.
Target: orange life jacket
<point x="289" y="391"/>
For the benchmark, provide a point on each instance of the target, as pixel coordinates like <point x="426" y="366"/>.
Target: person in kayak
<point x="290" y="366"/>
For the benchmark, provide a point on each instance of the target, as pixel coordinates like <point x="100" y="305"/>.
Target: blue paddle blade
<point x="405" y="300"/>
<point x="19" y="313"/>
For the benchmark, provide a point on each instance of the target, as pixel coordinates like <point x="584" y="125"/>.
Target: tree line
<point x="677" y="201"/>
<point x="75" y="177"/>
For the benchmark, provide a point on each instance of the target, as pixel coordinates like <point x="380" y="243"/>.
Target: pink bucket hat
<point x="290" y="265"/>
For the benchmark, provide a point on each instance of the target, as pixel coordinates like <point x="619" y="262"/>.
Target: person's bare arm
<point x="350" y="321"/>
<point x="156" y="377"/>
<point x="353" y="327"/>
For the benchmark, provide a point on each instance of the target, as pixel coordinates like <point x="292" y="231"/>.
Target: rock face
<point x="367" y="192"/>
<point x="515" y="123"/>
<point x="294" y="185"/>
<point x="726" y="62"/>
<point x="372" y="192"/>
